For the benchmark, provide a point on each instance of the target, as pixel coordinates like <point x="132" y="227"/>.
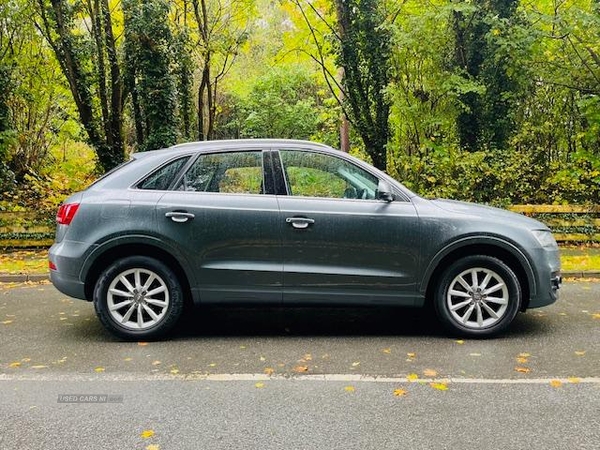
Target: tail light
<point x="66" y="212"/>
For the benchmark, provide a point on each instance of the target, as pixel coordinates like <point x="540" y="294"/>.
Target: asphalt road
<point x="298" y="378"/>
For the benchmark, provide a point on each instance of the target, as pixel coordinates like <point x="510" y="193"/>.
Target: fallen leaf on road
<point x="300" y="369"/>
<point x="156" y="363"/>
<point x="439" y="386"/>
<point x="14" y="364"/>
<point x="142" y="344"/>
<point x="411" y="355"/>
<point x="99" y="369"/>
<point x="412" y="377"/>
<point x="460" y="341"/>
<point x="349" y="389"/>
<point x="356" y="364"/>
<point x="387" y="350"/>
<point x="6" y="322"/>
<point x="474" y="354"/>
<point x="556" y="383"/>
<point x="307" y="357"/>
<point x="152" y="447"/>
<point x="262" y="358"/>
<point x="400" y="392"/>
<point x="147" y="434"/>
<point x="522" y="369"/>
<point x="174" y="371"/>
<point x="212" y="365"/>
<point x="127" y="359"/>
<point x="269" y="371"/>
<point x="580" y="353"/>
<point x="430" y="373"/>
<point x="522" y="360"/>
<point x="259" y="385"/>
<point x="524" y="355"/>
<point x="596" y="315"/>
<point x="574" y="380"/>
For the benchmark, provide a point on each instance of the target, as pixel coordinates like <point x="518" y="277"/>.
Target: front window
<point x="317" y="175"/>
<point x="235" y="172"/>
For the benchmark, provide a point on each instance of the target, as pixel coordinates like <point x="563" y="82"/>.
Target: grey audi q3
<point x="289" y="223"/>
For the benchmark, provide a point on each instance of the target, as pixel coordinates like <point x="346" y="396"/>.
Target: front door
<point x="340" y="243"/>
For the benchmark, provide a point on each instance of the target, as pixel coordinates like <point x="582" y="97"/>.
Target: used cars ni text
<point x="282" y="222"/>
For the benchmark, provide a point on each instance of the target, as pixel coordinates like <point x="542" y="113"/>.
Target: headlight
<point x="545" y="238"/>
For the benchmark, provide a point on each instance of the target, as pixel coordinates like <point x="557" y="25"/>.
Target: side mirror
<point x="384" y="191"/>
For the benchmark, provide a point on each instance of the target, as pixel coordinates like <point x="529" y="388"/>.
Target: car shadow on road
<point x="314" y="321"/>
<point x="322" y="321"/>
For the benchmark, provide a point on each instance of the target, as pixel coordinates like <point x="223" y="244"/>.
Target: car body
<point x="284" y="222"/>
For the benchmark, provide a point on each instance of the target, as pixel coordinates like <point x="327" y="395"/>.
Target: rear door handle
<point x="179" y="216"/>
<point x="300" y="222"/>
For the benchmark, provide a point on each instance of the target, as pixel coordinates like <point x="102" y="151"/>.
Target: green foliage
<point x="283" y="103"/>
<point x="363" y="51"/>
<point x="149" y="43"/>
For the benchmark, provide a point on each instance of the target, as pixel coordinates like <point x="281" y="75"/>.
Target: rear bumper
<point x="68" y="285"/>
<point x="68" y="257"/>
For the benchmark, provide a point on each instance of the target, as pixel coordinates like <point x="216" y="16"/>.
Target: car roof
<point x="205" y="146"/>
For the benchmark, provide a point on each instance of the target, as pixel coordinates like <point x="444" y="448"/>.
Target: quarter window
<point x="236" y="172"/>
<point x="318" y="175"/>
<point x="161" y="179"/>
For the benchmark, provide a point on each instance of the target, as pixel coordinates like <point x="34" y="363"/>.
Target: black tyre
<point x="138" y="298"/>
<point x="477" y="296"/>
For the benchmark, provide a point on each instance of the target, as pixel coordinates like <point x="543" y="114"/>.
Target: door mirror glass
<point x="384" y="191"/>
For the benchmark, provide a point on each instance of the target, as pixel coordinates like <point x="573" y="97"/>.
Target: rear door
<point x="341" y="244"/>
<point x="222" y="215"/>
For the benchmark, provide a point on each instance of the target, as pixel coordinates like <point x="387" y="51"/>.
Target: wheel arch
<point x="110" y="252"/>
<point x="497" y="248"/>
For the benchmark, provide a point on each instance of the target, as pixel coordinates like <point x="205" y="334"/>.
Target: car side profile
<point x="283" y="222"/>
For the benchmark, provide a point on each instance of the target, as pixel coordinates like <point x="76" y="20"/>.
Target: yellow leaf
<point x="307" y="357"/>
<point x="147" y="434"/>
<point x="387" y="350"/>
<point x="522" y="360"/>
<point x="356" y="364"/>
<point x="155" y="363"/>
<point x="596" y="315"/>
<point x="99" y="369"/>
<point x="269" y="371"/>
<point x="522" y="369"/>
<point x="174" y="371"/>
<point x="574" y="380"/>
<point x="6" y="322"/>
<point x="524" y="355"/>
<point x="439" y="386"/>
<point x="349" y="389"/>
<point x="14" y="364"/>
<point x="39" y="367"/>
<point x="412" y="377"/>
<point x="127" y="359"/>
<point x="300" y="369"/>
<point x="580" y="353"/>
<point x="429" y="373"/>
<point x="474" y="354"/>
<point x="460" y="341"/>
<point x="259" y="385"/>
<point x="262" y="358"/>
<point x="152" y="447"/>
<point x="411" y="355"/>
<point x="212" y="365"/>
<point x="142" y="344"/>
<point x="556" y="383"/>
<point x="29" y="359"/>
<point x="400" y="392"/>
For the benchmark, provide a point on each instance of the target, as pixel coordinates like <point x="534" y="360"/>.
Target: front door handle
<point x="300" y="222"/>
<point x="179" y="216"/>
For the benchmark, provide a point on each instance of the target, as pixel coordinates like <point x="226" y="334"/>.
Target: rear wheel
<point x="138" y="298"/>
<point x="478" y="296"/>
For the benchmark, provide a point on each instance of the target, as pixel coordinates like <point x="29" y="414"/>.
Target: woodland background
<point x="495" y="101"/>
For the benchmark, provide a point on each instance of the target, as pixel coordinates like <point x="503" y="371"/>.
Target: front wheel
<point x="138" y="298"/>
<point x="477" y="296"/>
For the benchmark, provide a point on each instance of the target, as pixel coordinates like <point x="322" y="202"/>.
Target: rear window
<point x="162" y="178"/>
